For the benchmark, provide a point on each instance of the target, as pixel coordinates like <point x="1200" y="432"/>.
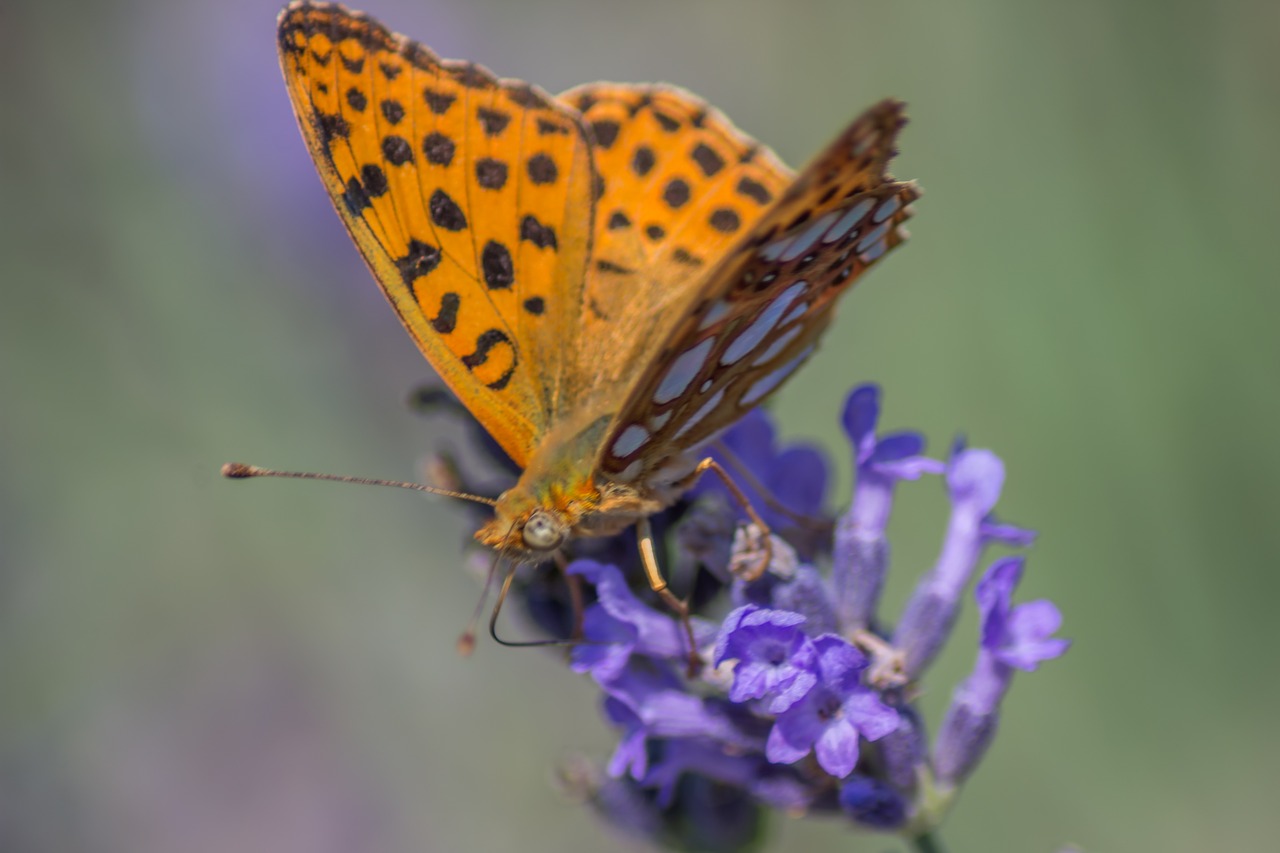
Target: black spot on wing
<point x="355" y="198"/>
<point x="642" y="160"/>
<point x="546" y="128"/>
<point x="542" y="236"/>
<point x="707" y="159"/>
<point x="485" y="342"/>
<point x="725" y="220"/>
<point x="397" y="150"/>
<point x="491" y="174"/>
<point x="619" y="220"/>
<point x="374" y="180"/>
<point x="610" y="267"/>
<point x="445" y="212"/>
<point x="535" y="305"/>
<point x="669" y="124"/>
<point x="438" y="148"/>
<point x="439" y="102"/>
<point x="493" y="121"/>
<point x="542" y="169"/>
<point x="331" y="127"/>
<point x="495" y="261"/>
<point x="681" y="256"/>
<point x="392" y="110"/>
<point x="676" y="194"/>
<point x="420" y="260"/>
<point x="447" y="319"/>
<point x="356" y="99"/>
<point x="755" y="191"/>
<point x="605" y="132"/>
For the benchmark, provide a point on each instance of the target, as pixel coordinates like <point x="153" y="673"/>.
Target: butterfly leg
<point x="765" y="546"/>
<point x="644" y="534"/>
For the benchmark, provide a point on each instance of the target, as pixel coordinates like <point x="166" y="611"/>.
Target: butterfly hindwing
<point x="760" y="311"/>
<point x="469" y="197"/>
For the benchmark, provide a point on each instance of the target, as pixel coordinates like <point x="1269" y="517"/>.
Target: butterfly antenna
<point x="240" y="471"/>
<point x="740" y="468"/>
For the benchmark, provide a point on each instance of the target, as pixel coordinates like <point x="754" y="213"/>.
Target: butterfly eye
<point x="542" y="532"/>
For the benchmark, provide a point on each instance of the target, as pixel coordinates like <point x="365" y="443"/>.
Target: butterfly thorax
<point x="563" y="496"/>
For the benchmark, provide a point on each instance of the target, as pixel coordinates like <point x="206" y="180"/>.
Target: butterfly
<point x="606" y="278"/>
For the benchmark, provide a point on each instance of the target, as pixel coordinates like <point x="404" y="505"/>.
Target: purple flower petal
<point x="792" y="737"/>
<point x="840" y="662"/>
<point x="837" y="748"/>
<point x="620" y="625"/>
<point x="873" y="718"/>
<point x="833" y="715"/>
<point x="1008" y="534"/>
<point x="897" y="446"/>
<point x="975" y="478"/>
<point x="1028" y="641"/>
<point x="775" y="658"/>
<point x="861" y="412"/>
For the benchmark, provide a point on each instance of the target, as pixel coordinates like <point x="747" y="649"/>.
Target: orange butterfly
<point x="606" y="279"/>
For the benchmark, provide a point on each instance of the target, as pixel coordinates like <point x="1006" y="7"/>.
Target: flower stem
<point x="927" y="843"/>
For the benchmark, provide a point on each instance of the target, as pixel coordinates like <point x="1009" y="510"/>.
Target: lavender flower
<point x="861" y="547"/>
<point x="834" y="715"/>
<point x="1012" y="638"/>
<point x="775" y="660"/>
<point x="974" y="480"/>
<point x="804" y="701"/>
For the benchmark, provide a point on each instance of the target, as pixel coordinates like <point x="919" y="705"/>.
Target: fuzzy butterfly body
<point x="606" y="279"/>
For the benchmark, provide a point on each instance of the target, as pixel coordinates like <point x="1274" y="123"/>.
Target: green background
<point x="190" y="664"/>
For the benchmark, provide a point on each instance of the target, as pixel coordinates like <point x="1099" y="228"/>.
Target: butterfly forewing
<point x="678" y="187"/>
<point x="762" y="308"/>
<point x="469" y="197"/>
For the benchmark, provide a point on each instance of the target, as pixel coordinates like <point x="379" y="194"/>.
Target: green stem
<point x="927" y="843"/>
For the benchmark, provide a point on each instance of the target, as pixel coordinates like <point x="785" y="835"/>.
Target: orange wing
<point x="469" y="197"/>
<point x="759" y="312"/>
<point x="678" y="186"/>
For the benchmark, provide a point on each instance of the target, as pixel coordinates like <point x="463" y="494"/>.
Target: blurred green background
<point x="190" y="664"/>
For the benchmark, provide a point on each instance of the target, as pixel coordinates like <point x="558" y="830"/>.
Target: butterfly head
<point x="523" y="525"/>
